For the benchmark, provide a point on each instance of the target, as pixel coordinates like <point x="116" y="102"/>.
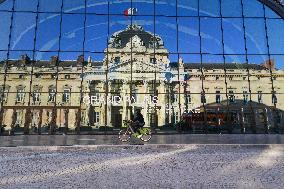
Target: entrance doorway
<point x="116" y="117"/>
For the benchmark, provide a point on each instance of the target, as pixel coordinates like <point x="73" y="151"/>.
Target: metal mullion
<point x="57" y="68"/>
<point x="247" y="62"/>
<point x="155" y="62"/>
<point x="99" y="52"/>
<point x="7" y="62"/>
<point x="201" y="63"/>
<point x="106" y="71"/>
<point x="177" y="47"/>
<point x="224" y="59"/>
<point x="33" y="58"/>
<point x="246" y="50"/>
<point x="269" y="54"/>
<point x="117" y="14"/>
<point x="82" y="79"/>
<point x="131" y="57"/>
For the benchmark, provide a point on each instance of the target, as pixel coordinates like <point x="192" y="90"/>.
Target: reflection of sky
<point x="185" y="28"/>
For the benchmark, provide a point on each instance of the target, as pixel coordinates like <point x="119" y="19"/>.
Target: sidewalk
<point x="143" y="166"/>
<point x="71" y="140"/>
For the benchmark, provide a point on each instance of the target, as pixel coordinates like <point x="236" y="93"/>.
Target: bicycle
<point x="125" y="134"/>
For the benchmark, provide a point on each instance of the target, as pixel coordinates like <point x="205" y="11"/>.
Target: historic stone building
<point x="135" y="73"/>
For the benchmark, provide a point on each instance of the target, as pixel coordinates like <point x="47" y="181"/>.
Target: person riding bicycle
<point x="138" y="121"/>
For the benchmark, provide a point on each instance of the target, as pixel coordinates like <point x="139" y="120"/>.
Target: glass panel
<point x="162" y="5"/>
<point x="48" y="32"/>
<point x="6" y="5"/>
<point x="118" y="7"/>
<point x="72" y="32"/>
<point x="144" y="7"/>
<point x="270" y="13"/>
<point x="187" y="8"/>
<point x="3" y="57"/>
<point x="278" y="61"/>
<point x="74" y="6"/>
<point x="167" y="29"/>
<point x="23" y="31"/>
<point x="253" y="9"/>
<point x="256" y="36"/>
<point x="188" y="35"/>
<point x="50" y="5"/>
<point x="233" y="36"/>
<point x="26" y="5"/>
<point x="211" y="36"/>
<point x="97" y="6"/>
<point x="211" y="9"/>
<point x="275" y="39"/>
<point x="231" y="8"/>
<point x="5" y="23"/>
<point x="96" y="35"/>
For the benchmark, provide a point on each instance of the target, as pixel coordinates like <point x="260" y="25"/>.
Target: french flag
<point x="130" y="11"/>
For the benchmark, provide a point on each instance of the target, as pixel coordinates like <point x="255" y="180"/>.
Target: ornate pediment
<point x="136" y="44"/>
<point x="137" y="67"/>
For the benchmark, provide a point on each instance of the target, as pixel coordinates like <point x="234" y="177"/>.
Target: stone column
<point x="162" y="102"/>
<point x="1" y="118"/>
<point x="27" y="121"/>
<point x="53" y="121"/>
<point x="40" y="121"/>
<point x="14" y="118"/>
<point x="170" y="105"/>
<point x="281" y="121"/>
<point x="23" y="118"/>
<point x="85" y="108"/>
<point x="124" y="106"/>
<point x="66" y="120"/>
<point x="243" y="129"/>
<point x="145" y="108"/>
<point x="59" y="120"/>
<point x="44" y="118"/>
<point x="85" y="117"/>
<point x="103" y="105"/>
<point x="182" y="96"/>
<point x="266" y="120"/>
<point x="109" y="105"/>
<point x="72" y="118"/>
<point x="8" y="118"/>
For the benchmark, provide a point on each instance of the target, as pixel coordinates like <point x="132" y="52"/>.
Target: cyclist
<point x="138" y="122"/>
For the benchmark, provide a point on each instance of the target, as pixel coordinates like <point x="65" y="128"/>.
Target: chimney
<point x="180" y="63"/>
<point x="54" y="60"/>
<point x="90" y="60"/>
<point x="80" y="60"/>
<point x="269" y="64"/>
<point x="25" y="59"/>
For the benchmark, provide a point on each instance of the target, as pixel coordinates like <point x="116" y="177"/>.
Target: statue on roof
<point x="135" y="27"/>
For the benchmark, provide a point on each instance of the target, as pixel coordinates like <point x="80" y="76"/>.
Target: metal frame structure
<point x="276" y="5"/>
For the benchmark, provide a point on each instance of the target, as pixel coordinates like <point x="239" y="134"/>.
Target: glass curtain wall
<point x="84" y="66"/>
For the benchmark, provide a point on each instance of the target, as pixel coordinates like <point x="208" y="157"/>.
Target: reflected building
<point x="136" y="73"/>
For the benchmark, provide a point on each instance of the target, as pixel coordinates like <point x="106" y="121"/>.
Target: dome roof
<point x="121" y="38"/>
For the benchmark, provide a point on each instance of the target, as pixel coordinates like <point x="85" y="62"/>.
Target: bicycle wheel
<point x="146" y="136"/>
<point x="124" y="135"/>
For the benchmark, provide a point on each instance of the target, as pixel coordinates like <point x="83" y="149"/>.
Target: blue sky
<point x="180" y="35"/>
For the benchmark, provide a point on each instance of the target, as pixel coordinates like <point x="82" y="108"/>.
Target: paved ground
<point x="148" y="166"/>
<point x="69" y="140"/>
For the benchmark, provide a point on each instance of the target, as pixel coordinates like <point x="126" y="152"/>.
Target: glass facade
<point x="195" y="66"/>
